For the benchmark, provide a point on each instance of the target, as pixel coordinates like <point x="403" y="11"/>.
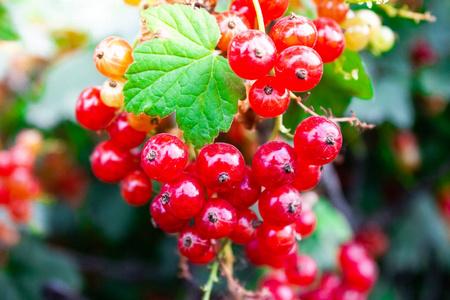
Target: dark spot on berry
<point x="256" y="223"/>
<point x="112" y="83"/>
<point x="151" y="155"/>
<point x="223" y="177"/>
<point x="330" y="140"/>
<point x="231" y="24"/>
<point x="301" y="73"/>
<point x="268" y="89"/>
<point x="293" y="207"/>
<point x="154" y="121"/>
<point x="100" y="55"/>
<point x="187" y="242"/>
<point x="165" y="198"/>
<point x="259" y="52"/>
<point x="213" y="218"/>
<point x="287" y="168"/>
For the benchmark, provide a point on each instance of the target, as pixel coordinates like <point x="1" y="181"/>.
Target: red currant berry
<point x="330" y="39"/>
<point x="245" y="194"/>
<point x="306" y="224"/>
<point x="20" y="211"/>
<point x="183" y="196"/>
<point x="333" y="9"/>
<point x="273" y="9"/>
<point x="307" y="176"/>
<point x="373" y="239"/>
<point x="23" y="185"/>
<point x="318" y="294"/>
<point x="281" y="206"/>
<point x="252" y="54"/>
<point x="317" y="140"/>
<point x="350" y="253"/>
<point x="142" y="122"/>
<point x="246" y="8"/>
<point x="361" y="275"/>
<point x="275" y="239"/>
<point x="91" y="112"/>
<point x="205" y="258"/>
<point x="113" y="56"/>
<point x="274" y="164"/>
<point x="301" y="270"/>
<point x="136" y="188"/>
<point x="220" y="166"/>
<point x="6" y="163"/>
<point x="110" y="162"/>
<point x="268" y="97"/>
<point x="164" y="157"/>
<point x="255" y="254"/>
<point x="164" y="219"/>
<point x="293" y="30"/>
<point x="192" y="244"/>
<point x="136" y="159"/>
<point x="217" y="219"/>
<point x="5" y="194"/>
<point x="278" y="290"/>
<point x="246" y="224"/>
<point x="299" y="68"/>
<point x="348" y="293"/>
<point x="231" y="23"/>
<point x="330" y="281"/>
<point x="125" y="135"/>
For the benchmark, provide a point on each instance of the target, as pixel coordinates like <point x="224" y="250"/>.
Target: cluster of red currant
<point x="18" y="185"/>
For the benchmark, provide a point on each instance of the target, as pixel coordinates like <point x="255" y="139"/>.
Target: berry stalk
<point x="259" y="16"/>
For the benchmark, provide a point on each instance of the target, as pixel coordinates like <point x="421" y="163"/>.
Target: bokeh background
<point x="390" y="186"/>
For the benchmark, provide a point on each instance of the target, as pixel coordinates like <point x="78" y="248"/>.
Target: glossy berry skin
<point x="306" y="224"/>
<point x="333" y="9"/>
<point x="205" y="258"/>
<point x="317" y="140"/>
<point x="281" y="206"/>
<point x="301" y="270"/>
<point x="110" y="162"/>
<point x="91" y="112"/>
<point x="220" y="167"/>
<point x="136" y="188"/>
<point x="318" y="294"/>
<point x="142" y="122"/>
<point x="252" y="54"/>
<point x="273" y="9"/>
<point x="192" y="244"/>
<point x="307" y="176"/>
<point x="164" y="157"/>
<point x="330" y="281"/>
<point x="121" y="132"/>
<point x="6" y="163"/>
<point x="373" y="239"/>
<point x="278" y="290"/>
<point x="293" y="30"/>
<point x="361" y="275"/>
<point x="183" y="197"/>
<point x="274" y="164"/>
<point x="164" y="219"/>
<point x="217" y="219"/>
<point x="299" y="68"/>
<point x="275" y="239"/>
<point x="246" y="8"/>
<point x="255" y="254"/>
<point x="357" y="34"/>
<point x="268" y="97"/>
<point x="348" y="293"/>
<point x="111" y="92"/>
<point x="245" y="230"/>
<point x="112" y="56"/>
<point x="246" y="193"/>
<point x="330" y="39"/>
<point x="350" y="253"/>
<point x="231" y="23"/>
<point x="20" y="211"/>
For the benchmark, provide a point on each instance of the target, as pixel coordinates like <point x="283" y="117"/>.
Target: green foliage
<point x="179" y="72"/>
<point x="7" y="31"/>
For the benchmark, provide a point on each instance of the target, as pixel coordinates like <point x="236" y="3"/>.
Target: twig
<point x="259" y="16"/>
<point x="354" y="121"/>
<point x="299" y="101"/>
<point x="276" y="127"/>
<point x="207" y="288"/>
<point x="405" y="13"/>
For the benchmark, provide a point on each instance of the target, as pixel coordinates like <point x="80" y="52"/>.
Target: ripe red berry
<point x="136" y="188"/>
<point x="273" y="9"/>
<point x="306" y="224"/>
<point x="330" y="39"/>
<point x="231" y="23"/>
<point x="281" y="206"/>
<point x="183" y="197"/>
<point x="246" y="223"/>
<point x="164" y="157"/>
<point x="307" y="176"/>
<point x="274" y="164"/>
<point x="301" y="270"/>
<point x="245" y="194"/>
<point x="373" y="239"/>
<point x="299" y="68"/>
<point x="6" y="163"/>
<point x="112" y="56"/>
<point x="20" y="211"/>
<point x="333" y="9"/>
<point x="246" y="8"/>
<point x="268" y="97"/>
<point x="205" y="258"/>
<point x="217" y="219"/>
<point x="135" y="159"/>
<point x="164" y="219"/>
<point x="330" y="281"/>
<point x="252" y="54"/>
<point x="350" y="253"/>
<point x="360" y="275"/>
<point x="317" y="140"/>
<point x="110" y="162"/>
<point x="125" y="135"/>
<point x="278" y="290"/>
<point x="293" y="30"/>
<point x="91" y="112"/>
<point x="255" y="254"/>
<point x="275" y="239"/>
<point x="220" y="166"/>
<point x="348" y="293"/>
<point x="318" y="294"/>
<point x="192" y="244"/>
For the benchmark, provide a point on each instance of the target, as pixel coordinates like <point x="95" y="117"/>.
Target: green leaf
<point x="179" y="72"/>
<point x="7" y="31"/>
